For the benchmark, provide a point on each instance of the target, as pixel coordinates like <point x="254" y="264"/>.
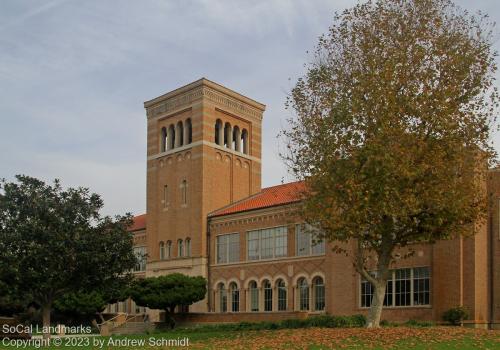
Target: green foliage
<point x="416" y="323"/>
<point x="167" y="292"/>
<point x="391" y="129"/>
<point x="322" y="321"/>
<point x="57" y="243"/>
<point x="294" y="323"/>
<point x="456" y="315"/>
<point x="89" y="302"/>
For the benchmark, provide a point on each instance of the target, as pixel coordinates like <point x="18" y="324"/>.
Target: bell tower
<point x="203" y="152"/>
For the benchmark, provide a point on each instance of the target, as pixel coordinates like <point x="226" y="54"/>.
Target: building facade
<point x="207" y="215"/>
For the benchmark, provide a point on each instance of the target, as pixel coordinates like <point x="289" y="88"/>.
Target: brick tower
<point x="203" y="152"/>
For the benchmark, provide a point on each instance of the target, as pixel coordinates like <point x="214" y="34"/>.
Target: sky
<point x="74" y="76"/>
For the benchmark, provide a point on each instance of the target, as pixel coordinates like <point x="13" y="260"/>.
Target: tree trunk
<point x="169" y="319"/>
<point x="373" y="320"/>
<point x="46" y="308"/>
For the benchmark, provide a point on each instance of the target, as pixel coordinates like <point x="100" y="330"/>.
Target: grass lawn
<point x="314" y="338"/>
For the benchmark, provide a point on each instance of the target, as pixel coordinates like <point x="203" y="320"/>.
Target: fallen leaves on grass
<point x="346" y="338"/>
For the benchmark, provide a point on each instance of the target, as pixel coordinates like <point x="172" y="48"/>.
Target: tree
<point x="167" y="292"/>
<point x="391" y="130"/>
<point x="87" y="304"/>
<point x="57" y="242"/>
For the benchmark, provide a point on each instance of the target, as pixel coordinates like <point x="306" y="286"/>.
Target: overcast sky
<point x="74" y="76"/>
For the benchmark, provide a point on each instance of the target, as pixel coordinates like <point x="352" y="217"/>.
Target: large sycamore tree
<point x="391" y="130"/>
<point x="54" y="242"/>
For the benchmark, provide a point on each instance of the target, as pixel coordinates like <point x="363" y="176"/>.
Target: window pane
<point x="268" y="296"/>
<point x="318" y="245"/>
<point x="235" y="303"/>
<point x="254" y="297"/>
<point x="223" y="298"/>
<point x="282" y="301"/>
<point x="366" y="293"/>
<point x="388" y="292"/>
<point x="281" y="245"/>
<point x="302" y="242"/>
<point x="221" y="249"/>
<point x="253" y="245"/>
<point x="140" y="253"/>
<point x="319" y="294"/>
<point x="421" y="286"/>
<point x="234" y="247"/>
<point x="267" y="244"/>
<point x="303" y="295"/>
<point x="403" y="287"/>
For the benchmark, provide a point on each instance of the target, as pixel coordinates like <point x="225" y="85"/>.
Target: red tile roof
<point x="139" y="223"/>
<point x="268" y="197"/>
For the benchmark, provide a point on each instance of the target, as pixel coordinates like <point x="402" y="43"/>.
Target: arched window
<point x="184" y="192"/>
<point x="222" y="298"/>
<point x="219" y="137"/>
<point x="180" y="248"/>
<point x="188" y="246"/>
<point x="179" y="132"/>
<point x="319" y="294"/>
<point x="244" y="141"/>
<point x="163" y="139"/>
<point x="303" y="288"/>
<point x="236" y="139"/>
<point x="188" y="132"/>
<point x="254" y="296"/>
<point x="282" y="301"/>
<point x="171" y="137"/>
<point x="169" y="250"/>
<point x="162" y="251"/>
<point x="228" y="135"/>
<point x="235" y="297"/>
<point x="268" y="296"/>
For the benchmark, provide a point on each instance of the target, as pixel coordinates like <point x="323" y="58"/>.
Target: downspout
<point x="208" y="266"/>
<point x="490" y="266"/>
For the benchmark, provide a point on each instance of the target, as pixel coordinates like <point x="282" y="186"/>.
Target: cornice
<point x="204" y="89"/>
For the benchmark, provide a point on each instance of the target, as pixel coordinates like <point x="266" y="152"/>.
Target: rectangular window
<point x="281" y="242"/>
<point x="184" y="192"/>
<point x="140" y="253"/>
<point x="253" y="245"/>
<point x="421" y="286"/>
<point x="267" y="243"/>
<point x="165" y="196"/>
<point x="308" y="241"/>
<point x="268" y="299"/>
<point x="405" y="287"/>
<point x="234" y="247"/>
<point x="228" y="248"/>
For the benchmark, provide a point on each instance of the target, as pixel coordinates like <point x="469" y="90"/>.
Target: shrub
<point x="337" y="321"/>
<point x="415" y="323"/>
<point x="323" y="321"/>
<point x="294" y="323"/>
<point x="456" y="315"/>
<point x="358" y="321"/>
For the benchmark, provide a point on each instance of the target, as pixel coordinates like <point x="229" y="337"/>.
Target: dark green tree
<point x="56" y="241"/>
<point x="167" y="292"/>
<point x="87" y="304"/>
<point x="392" y="130"/>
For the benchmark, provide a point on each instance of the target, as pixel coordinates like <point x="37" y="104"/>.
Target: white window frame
<point x="412" y="289"/>
<point x="227" y="247"/>
<point x="259" y="240"/>
<point x="311" y="245"/>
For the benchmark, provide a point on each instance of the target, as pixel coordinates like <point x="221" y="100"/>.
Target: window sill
<point x="245" y="262"/>
<point x="399" y="307"/>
